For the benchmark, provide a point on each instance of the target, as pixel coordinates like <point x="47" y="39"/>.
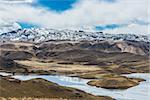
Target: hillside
<point x="39" y="88"/>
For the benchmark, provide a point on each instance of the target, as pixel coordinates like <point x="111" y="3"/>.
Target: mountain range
<point x="38" y="35"/>
<point x="137" y="44"/>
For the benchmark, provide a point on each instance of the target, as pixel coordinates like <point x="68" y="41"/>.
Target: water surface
<point x="140" y="92"/>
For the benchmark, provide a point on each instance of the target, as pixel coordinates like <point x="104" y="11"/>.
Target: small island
<point x="115" y="82"/>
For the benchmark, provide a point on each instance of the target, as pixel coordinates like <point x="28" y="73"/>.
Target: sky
<point x="111" y="16"/>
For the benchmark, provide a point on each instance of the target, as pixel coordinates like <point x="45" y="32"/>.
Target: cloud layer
<point x="83" y="13"/>
<point x="16" y="1"/>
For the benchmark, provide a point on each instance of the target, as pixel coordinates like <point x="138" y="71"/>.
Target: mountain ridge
<point x="38" y="35"/>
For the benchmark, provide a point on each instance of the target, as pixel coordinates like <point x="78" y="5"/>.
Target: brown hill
<point x="39" y="88"/>
<point x="10" y="65"/>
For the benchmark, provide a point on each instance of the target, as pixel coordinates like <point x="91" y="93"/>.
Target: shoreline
<point x="89" y="88"/>
<point x="17" y="81"/>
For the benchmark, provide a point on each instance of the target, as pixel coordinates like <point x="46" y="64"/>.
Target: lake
<point x="140" y="92"/>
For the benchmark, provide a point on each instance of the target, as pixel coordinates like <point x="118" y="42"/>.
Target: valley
<point x="103" y="61"/>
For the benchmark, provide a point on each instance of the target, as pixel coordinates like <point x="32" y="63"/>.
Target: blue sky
<point x="116" y="16"/>
<point x="60" y="5"/>
<point x="27" y="25"/>
<point x="56" y="5"/>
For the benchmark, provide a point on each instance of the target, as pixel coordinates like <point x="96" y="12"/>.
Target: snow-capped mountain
<point x="8" y="27"/>
<point x="43" y="34"/>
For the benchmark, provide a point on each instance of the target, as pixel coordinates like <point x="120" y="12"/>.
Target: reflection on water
<point x="139" y="92"/>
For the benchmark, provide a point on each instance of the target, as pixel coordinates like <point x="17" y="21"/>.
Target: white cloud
<point x="83" y="13"/>
<point x="16" y="1"/>
<point x="131" y="29"/>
